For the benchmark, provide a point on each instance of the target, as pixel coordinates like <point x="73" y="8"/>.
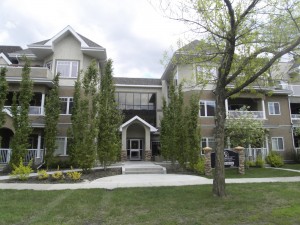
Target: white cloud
<point x="134" y="34"/>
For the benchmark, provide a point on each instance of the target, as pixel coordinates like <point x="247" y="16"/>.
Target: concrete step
<point x="140" y="169"/>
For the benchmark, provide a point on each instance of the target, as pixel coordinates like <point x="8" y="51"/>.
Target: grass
<point x="253" y="172"/>
<point x="292" y="166"/>
<point x="269" y="203"/>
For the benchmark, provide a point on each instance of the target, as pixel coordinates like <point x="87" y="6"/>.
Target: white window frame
<point x="277" y="138"/>
<point x="65" y="140"/>
<point x="69" y="75"/>
<point x="205" y="107"/>
<point x="212" y="139"/>
<point x="68" y="100"/>
<point x="271" y="108"/>
<point x="49" y="65"/>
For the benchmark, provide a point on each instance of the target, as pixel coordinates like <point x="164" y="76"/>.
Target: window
<point x="136" y="101"/>
<point x="61" y="146"/>
<point x="207" y="142"/>
<point x="207" y="108"/>
<point x="49" y="65"/>
<point x="67" y="68"/>
<point x="277" y="143"/>
<point x="66" y="105"/>
<point x="274" y="108"/>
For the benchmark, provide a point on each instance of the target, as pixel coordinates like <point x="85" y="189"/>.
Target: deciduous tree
<point x="3" y="94"/>
<point x="243" y="39"/>
<point x="52" y="110"/>
<point x="109" y="120"/>
<point x="84" y="120"/>
<point x="20" y="111"/>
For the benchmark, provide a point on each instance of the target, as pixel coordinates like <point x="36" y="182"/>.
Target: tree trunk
<point x="219" y="175"/>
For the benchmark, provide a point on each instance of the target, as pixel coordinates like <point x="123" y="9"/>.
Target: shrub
<point x="250" y="164"/>
<point x="42" y="175"/>
<point x="58" y="175"/>
<point x="21" y="172"/>
<point x="199" y="167"/>
<point x="260" y="162"/>
<point x="274" y="159"/>
<point x="74" y="175"/>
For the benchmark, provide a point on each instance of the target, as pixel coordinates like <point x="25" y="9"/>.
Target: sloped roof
<point x="89" y="42"/>
<point x="136" y="81"/>
<point x="44" y="48"/>
<point x="85" y="39"/>
<point x="137" y="118"/>
<point x="6" y="49"/>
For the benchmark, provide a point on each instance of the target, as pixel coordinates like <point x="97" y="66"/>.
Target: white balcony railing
<point x="32" y="154"/>
<point x="295" y="116"/>
<point x="33" y="110"/>
<point x="253" y="114"/>
<point x="5" y="155"/>
<point x="253" y="153"/>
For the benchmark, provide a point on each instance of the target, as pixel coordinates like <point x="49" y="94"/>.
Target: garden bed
<point x="92" y="175"/>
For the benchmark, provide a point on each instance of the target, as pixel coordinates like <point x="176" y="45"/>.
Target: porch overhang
<point x="137" y="118"/>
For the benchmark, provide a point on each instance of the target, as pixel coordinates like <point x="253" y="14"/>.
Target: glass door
<point x="135" y="149"/>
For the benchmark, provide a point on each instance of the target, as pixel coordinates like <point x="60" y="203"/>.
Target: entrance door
<point x="135" y="149"/>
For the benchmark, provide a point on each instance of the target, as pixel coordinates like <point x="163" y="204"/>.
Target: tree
<point x="180" y="135"/>
<point x="20" y="110"/>
<point x="243" y="39"/>
<point x="170" y="125"/>
<point x="84" y="120"/>
<point x="109" y="120"/>
<point x="193" y="131"/>
<point x="245" y="130"/>
<point x="52" y="110"/>
<point x="3" y="93"/>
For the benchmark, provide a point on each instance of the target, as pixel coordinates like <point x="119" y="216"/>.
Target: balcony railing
<point x="33" y="110"/>
<point x="251" y="114"/>
<point x="253" y="153"/>
<point x="295" y="116"/>
<point x="32" y="154"/>
<point x="36" y="72"/>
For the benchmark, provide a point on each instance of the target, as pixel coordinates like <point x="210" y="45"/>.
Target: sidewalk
<point x="142" y="180"/>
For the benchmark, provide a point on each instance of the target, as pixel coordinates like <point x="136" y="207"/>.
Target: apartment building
<point x="68" y="53"/>
<point x="276" y="105"/>
<point x="140" y="99"/>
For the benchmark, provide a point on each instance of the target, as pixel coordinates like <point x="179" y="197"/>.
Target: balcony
<point x="33" y="110"/>
<point x="32" y="154"/>
<point x="249" y="114"/>
<point x="37" y="73"/>
<point x="36" y="104"/>
<point x="245" y="107"/>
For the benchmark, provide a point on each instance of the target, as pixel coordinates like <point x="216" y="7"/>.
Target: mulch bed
<point x="92" y="175"/>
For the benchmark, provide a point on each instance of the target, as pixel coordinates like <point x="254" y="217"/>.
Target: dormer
<point x="45" y="48"/>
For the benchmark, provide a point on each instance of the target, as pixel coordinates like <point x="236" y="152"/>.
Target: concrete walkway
<point x="141" y="180"/>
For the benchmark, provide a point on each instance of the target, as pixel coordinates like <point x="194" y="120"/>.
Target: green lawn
<point x="253" y="172"/>
<point x="269" y="203"/>
<point x="292" y="166"/>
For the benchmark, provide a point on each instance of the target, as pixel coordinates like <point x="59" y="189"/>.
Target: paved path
<point x="141" y="180"/>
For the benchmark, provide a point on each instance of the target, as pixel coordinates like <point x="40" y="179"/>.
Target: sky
<point x="134" y="32"/>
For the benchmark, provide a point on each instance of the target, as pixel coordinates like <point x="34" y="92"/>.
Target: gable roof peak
<point x="68" y="29"/>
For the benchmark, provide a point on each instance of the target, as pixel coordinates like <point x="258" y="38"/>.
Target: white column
<point x="38" y="154"/>
<point x="263" y="108"/>
<point x="43" y="104"/>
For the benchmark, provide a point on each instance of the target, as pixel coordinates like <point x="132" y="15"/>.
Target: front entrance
<point x="135" y="149"/>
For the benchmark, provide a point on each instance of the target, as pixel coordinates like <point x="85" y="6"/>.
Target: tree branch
<point x="263" y="69"/>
